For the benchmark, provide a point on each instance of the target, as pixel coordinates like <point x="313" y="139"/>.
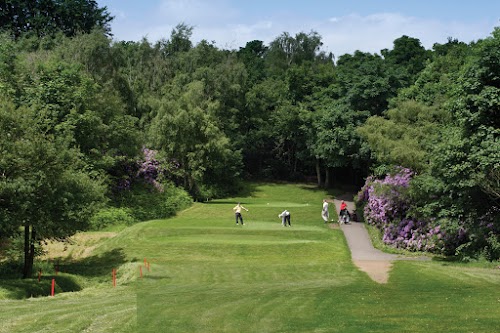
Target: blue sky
<point x="345" y="25"/>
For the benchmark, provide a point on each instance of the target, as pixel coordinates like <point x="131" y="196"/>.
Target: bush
<point x="146" y="202"/>
<point x="387" y="206"/>
<point x="111" y="216"/>
<point x="492" y="250"/>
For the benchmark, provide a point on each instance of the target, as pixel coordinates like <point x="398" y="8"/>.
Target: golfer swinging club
<point x="237" y="213"/>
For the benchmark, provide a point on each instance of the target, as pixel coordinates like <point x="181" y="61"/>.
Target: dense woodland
<point x="95" y="130"/>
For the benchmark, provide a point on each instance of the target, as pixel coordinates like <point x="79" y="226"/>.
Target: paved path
<point x="375" y="263"/>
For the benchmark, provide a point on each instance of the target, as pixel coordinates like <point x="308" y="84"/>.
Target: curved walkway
<point x="375" y="263"/>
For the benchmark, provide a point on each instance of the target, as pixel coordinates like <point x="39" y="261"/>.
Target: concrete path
<point x="375" y="263"/>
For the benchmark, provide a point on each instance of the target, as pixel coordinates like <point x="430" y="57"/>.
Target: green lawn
<point x="209" y="275"/>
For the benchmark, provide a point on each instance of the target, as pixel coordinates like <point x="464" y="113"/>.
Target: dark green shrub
<point x="147" y="203"/>
<point x="111" y="216"/>
<point x="492" y="250"/>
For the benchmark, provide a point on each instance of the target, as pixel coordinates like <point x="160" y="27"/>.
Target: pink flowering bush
<point x="387" y="206"/>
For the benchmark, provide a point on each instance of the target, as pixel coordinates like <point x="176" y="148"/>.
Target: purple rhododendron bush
<point x="389" y="207"/>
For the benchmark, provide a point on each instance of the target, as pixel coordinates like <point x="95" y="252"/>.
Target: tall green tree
<point x="186" y="129"/>
<point x="43" y="186"/>
<point x="364" y="82"/>
<point x="286" y="50"/>
<point x="252" y="56"/>
<point x="335" y="142"/>
<point x="47" y="17"/>
<point x="408" y="57"/>
<point x="79" y="101"/>
<point x="405" y="134"/>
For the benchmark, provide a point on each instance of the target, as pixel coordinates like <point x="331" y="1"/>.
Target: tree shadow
<point x="345" y="196"/>
<point x="94" y="266"/>
<point x="249" y="189"/>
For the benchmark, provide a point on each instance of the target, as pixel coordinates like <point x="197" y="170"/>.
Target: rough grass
<point x="209" y="275"/>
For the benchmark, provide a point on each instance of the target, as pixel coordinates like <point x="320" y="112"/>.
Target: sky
<point x="344" y="25"/>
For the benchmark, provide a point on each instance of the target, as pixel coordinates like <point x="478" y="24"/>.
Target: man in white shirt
<point x="285" y="217"/>
<point x="237" y="213"/>
<point x="324" y="211"/>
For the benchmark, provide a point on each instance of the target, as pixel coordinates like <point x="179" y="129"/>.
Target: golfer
<point x="237" y="213"/>
<point x="285" y="217"/>
<point x="324" y="212"/>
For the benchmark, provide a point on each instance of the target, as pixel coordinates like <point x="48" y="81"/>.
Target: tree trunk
<point x="32" y="250"/>
<point x="29" y="251"/>
<point x="327" y="177"/>
<point x="318" y="172"/>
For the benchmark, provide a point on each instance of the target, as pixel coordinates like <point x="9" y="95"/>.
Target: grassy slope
<point x="208" y="275"/>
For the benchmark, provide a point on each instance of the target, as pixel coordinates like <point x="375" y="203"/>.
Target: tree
<point x="180" y="40"/>
<point x="286" y="50"/>
<point x="446" y="128"/>
<point x="364" y="82"/>
<point x="47" y="17"/>
<point x="408" y="56"/>
<point x="257" y="142"/>
<point x="185" y="129"/>
<point x="336" y="143"/>
<point x="252" y="56"/>
<point x="78" y="100"/>
<point x="406" y="134"/>
<point x="43" y="188"/>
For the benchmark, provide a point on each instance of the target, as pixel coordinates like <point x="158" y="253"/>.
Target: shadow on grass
<point x="330" y="192"/>
<point x="68" y="278"/>
<point x="94" y="266"/>
<point x="245" y="190"/>
<point x="249" y="189"/>
<point x="448" y="259"/>
<point x="26" y="288"/>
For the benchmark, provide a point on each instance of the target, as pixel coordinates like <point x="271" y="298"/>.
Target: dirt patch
<point x="377" y="270"/>
<point x="76" y="247"/>
<point x="333" y="226"/>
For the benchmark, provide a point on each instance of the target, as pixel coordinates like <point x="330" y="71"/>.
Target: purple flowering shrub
<point x="150" y="169"/>
<point x="387" y="206"/>
<point x="147" y="187"/>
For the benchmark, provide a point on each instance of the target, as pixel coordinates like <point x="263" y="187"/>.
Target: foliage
<point x="43" y="187"/>
<point x="364" y="82"/>
<point x="47" y="17"/>
<point x="406" y="134"/>
<point x="388" y="208"/>
<point x="408" y="56"/>
<point x="143" y="202"/>
<point x="111" y="216"/>
<point x="450" y="137"/>
<point x="74" y="102"/>
<point x="187" y="130"/>
<point x="336" y="139"/>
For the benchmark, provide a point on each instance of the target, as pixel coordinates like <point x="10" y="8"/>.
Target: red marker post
<point x="113" y="277"/>
<point x="39" y="274"/>
<point x="52" y="289"/>
<point x="140" y="270"/>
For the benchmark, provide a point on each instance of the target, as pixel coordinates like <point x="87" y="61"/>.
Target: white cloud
<point x="225" y="26"/>
<point x="199" y="11"/>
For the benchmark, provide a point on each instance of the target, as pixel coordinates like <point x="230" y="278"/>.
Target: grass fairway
<point x="209" y="275"/>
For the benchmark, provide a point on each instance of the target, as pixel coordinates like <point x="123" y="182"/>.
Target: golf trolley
<point x="345" y="217"/>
